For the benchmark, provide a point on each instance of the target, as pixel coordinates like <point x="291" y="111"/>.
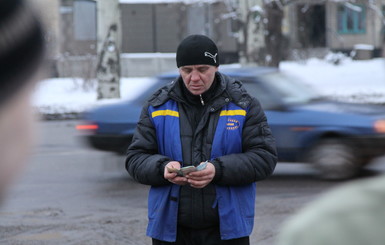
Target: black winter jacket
<point x="257" y="161"/>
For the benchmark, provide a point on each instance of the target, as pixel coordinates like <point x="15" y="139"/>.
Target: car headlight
<point x="379" y="126"/>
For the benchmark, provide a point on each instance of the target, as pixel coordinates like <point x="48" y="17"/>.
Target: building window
<point x="84" y="20"/>
<point x="351" y="19"/>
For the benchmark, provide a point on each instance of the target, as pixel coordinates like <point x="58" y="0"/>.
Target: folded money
<point x="185" y="170"/>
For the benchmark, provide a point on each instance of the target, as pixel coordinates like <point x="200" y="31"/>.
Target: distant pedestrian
<point x="21" y="55"/>
<point x="206" y="120"/>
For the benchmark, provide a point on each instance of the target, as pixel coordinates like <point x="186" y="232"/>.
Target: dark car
<point x="338" y="138"/>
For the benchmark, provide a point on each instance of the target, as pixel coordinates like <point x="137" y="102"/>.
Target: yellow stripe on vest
<point x="233" y="113"/>
<point x="165" y="113"/>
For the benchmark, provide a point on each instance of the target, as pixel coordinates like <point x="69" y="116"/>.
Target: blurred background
<point x="248" y="32"/>
<point x="317" y="67"/>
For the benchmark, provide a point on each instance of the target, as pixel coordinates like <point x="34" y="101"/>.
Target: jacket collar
<point x="230" y="90"/>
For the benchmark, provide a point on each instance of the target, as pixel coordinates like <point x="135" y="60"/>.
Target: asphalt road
<point x="70" y="194"/>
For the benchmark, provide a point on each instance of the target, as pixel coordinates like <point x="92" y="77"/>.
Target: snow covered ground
<point x="356" y="81"/>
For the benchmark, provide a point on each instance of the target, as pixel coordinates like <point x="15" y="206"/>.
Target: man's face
<point x="198" y="78"/>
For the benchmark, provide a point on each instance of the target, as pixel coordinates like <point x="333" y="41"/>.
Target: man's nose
<point x="195" y="76"/>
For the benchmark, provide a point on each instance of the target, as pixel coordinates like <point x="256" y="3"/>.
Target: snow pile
<point x="256" y="8"/>
<point x="350" y="80"/>
<point x="66" y="95"/>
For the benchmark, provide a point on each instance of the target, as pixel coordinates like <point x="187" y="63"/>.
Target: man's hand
<point x="172" y="177"/>
<point x="200" y="179"/>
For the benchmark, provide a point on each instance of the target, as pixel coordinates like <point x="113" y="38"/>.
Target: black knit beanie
<point x="197" y="50"/>
<point x="21" y="46"/>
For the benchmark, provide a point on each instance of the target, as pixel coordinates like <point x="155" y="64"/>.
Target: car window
<point x="289" y="88"/>
<point x="257" y="90"/>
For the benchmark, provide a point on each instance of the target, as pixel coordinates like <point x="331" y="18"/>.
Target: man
<point x="353" y="214"/>
<point x="21" y="54"/>
<point x="204" y="116"/>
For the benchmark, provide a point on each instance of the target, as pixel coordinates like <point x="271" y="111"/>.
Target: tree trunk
<point x="273" y="35"/>
<point x="250" y="38"/>
<point x="108" y="68"/>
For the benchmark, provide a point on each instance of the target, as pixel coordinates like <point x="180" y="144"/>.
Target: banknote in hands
<point x="186" y="170"/>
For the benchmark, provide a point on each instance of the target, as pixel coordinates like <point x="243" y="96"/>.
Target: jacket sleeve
<point x="143" y="162"/>
<point x="259" y="156"/>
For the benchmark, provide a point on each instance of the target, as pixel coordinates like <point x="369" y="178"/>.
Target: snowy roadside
<point x="65" y="98"/>
<point x="355" y="81"/>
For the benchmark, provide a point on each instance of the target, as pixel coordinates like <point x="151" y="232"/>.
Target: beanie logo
<point x="214" y="57"/>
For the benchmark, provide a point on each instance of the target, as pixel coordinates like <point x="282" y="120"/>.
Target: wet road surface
<point x="70" y="194"/>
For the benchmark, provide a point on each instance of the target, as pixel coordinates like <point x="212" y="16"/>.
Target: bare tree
<point x="247" y="16"/>
<point x="273" y="31"/>
<point x="108" y="68"/>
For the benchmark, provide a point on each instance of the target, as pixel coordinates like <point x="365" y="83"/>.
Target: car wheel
<point x="335" y="159"/>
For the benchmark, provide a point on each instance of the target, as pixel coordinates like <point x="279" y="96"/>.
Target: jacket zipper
<point x="202" y="102"/>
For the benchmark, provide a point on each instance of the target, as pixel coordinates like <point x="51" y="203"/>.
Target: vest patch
<point x="232" y="124"/>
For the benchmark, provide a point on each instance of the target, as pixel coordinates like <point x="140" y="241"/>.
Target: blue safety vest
<point x="235" y="203"/>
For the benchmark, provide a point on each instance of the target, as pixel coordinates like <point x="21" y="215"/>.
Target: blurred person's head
<point x="198" y="61"/>
<point x="21" y="55"/>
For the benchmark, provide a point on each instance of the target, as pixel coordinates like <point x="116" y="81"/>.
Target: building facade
<point x="336" y="25"/>
<point x="159" y="26"/>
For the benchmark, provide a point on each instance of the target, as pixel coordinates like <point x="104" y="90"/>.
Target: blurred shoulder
<point x="342" y="216"/>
